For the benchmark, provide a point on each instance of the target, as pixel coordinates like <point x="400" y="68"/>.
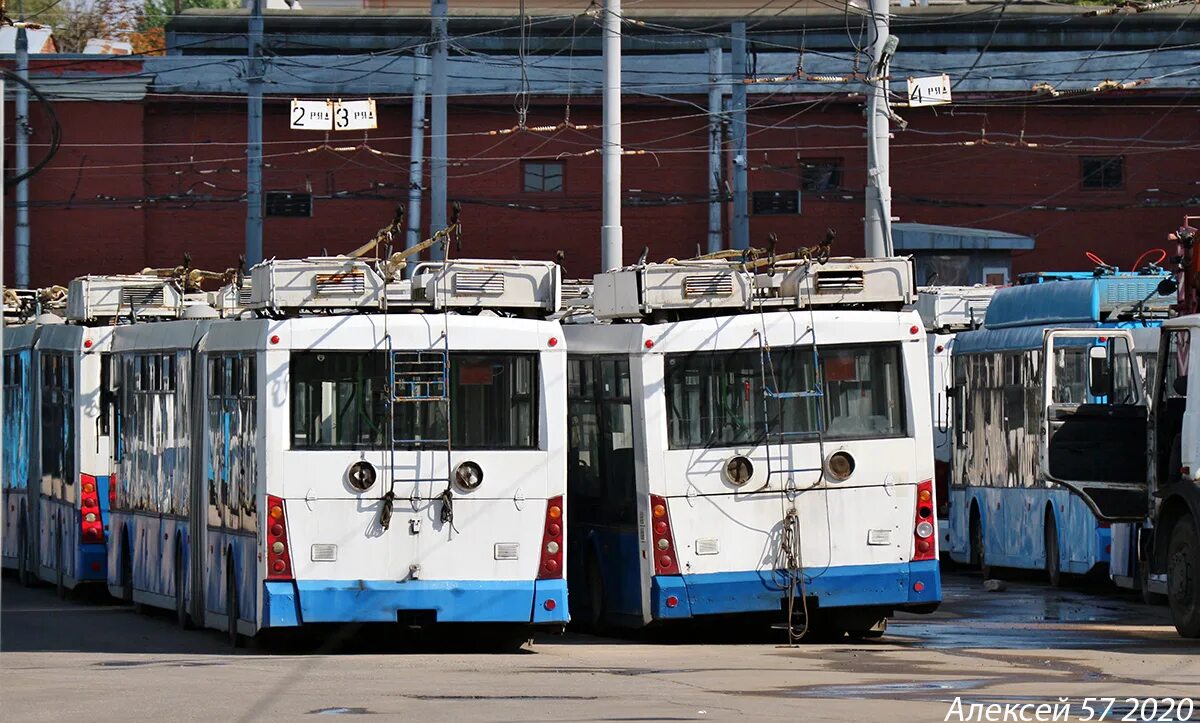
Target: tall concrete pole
<point x="21" y="158"/>
<point x="437" y="131"/>
<point x="611" y="242"/>
<point x="877" y="223"/>
<point x="715" y="85"/>
<point x="416" y="163"/>
<point x="741" y="210"/>
<point x="254" y="106"/>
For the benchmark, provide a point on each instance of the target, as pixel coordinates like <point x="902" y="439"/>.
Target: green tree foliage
<point x="157" y="13"/>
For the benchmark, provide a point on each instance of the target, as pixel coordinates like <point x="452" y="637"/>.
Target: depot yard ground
<point x="96" y="661"/>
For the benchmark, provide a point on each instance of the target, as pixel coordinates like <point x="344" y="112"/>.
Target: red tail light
<point x="552" y="541"/>
<point x="665" y="562"/>
<point x="91" y="525"/>
<point x="925" y="525"/>
<point x="112" y="491"/>
<point x="279" y="560"/>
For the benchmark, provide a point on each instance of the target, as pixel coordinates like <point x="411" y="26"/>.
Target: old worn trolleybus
<point x="752" y="441"/>
<point x="353" y="449"/>
<point x="1049" y="423"/>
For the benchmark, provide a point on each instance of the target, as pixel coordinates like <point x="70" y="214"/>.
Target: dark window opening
<point x="342" y="400"/>
<point x="821" y="174"/>
<point x="716" y="399"/>
<point x="542" y="176"/>
<point x="1102" y="172"/>
<point x="289" y="204"/>
<point x="775" y="203"/>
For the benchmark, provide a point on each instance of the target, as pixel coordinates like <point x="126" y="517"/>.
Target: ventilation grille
<point x="484" y="283"/>
<point x="245" y="294"/>
<point x="575" y="291"/>
<point x="140" y="297"/>
<point x="844" y="280"/>
<point x="707" y="546"/>
<point x="349" y="283"/>
<point x="708" y="285"/>
<point x="507" y="550"/>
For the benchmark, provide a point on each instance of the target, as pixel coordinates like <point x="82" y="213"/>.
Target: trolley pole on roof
<point x="611" y="243"/>
<point x="877" y="222"/>
<point x="438" y="125"/>
<point x="254" y="105"/>
<point x="416" y="164"/>
<point x="21" y="159"/>
<point x="741" y="160"/>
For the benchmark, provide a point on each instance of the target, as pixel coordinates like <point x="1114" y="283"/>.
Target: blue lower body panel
<point x="453" y="601"/>
<point x="909" y="584"/>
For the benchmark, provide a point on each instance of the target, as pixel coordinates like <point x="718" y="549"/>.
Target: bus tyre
<point x="60" y="587"/>
<point x="1053" y="560"/>
<point x="1183" y="577"/>
<point x="24" y="552"/>
<point x="181" y="615"/>
<point x="977" y="549"/>
<point x="235" y="640"/>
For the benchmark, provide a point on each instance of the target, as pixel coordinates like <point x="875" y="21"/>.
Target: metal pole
<point x="714" y="149"/>
<point x="611" y="241"/>
<point x="438" y="129"/>
<point x="2" y="286"/>
<point x="877" y="223"/>
<point x="254" y="219"/>
<point x="416" y="163"/>
<point x="21" y="158"/>
<point x="741" y="210"/>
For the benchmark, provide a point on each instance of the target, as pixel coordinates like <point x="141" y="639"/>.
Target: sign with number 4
<point x="328" y="115"/>
<point x="929" y="91"/>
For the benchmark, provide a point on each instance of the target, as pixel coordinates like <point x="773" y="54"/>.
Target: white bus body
<point x="669" y="521"/>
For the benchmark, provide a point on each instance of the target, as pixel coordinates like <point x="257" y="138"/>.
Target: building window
<point x="542" y="176"/>
<point x="775" y="203"/>
<point x="821" y="174"/>
<point x="1101" y="172"/>
<point x="289" y="204"/>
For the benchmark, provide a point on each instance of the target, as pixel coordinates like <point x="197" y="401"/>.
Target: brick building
<point x="152" y="157"/>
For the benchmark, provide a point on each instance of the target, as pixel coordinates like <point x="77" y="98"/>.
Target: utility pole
<point x="714" y="148"/>
<point x="416" y="163"/>
<point x="254" y="105"/>
<point x="877" y="223"/>
<point x="21" y="157"/>
<point x="741" y="210"/>
<point x="611" y="241"/>
<point x="437" y="131"/>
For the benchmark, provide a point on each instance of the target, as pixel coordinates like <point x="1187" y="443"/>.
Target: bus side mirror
<point x="1099" y="372"/>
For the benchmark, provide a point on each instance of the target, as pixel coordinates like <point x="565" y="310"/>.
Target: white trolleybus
<point x="57" y="426"/>
<point x="350" y="449"/>
<point x="752" y="442"/>
<point x="946" y="311"/>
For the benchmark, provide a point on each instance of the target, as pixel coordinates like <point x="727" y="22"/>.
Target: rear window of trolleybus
<point x="343" y="400"/>
<point x="726" y="398"/>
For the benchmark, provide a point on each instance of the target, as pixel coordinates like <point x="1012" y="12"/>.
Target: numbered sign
<point x="312" y="115"/>
<point x="929" y="91"/>
<point x="354" y="115"/>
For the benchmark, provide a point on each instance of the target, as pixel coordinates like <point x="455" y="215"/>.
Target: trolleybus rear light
<point x="550" y="566"/>
<point x="924" y="527"/>
<point x="91" y="527"/>
<point x="279" y="560"/>
<point x="664" y="541"/>
<point x="550" y="604"/>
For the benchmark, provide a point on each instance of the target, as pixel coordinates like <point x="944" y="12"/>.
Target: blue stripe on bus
<point x="455" y="601"/>
<point x="891" y="584"/>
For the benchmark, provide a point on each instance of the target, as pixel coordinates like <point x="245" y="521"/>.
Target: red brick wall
<point x="175" y="143"/>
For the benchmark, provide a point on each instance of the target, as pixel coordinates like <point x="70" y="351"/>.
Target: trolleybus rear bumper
<point x="444" y="601"/>
<point x="915" y="585"/>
